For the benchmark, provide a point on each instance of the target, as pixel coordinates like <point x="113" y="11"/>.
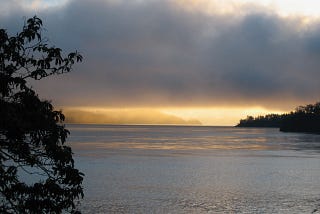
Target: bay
<point x="185" y="169"/>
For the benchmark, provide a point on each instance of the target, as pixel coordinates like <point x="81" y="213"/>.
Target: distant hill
<point x="303" y="119"/>
<point x="125" y="117"/>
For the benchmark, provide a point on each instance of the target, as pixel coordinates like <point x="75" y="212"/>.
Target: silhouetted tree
<point x="303" y="119"/>
<point x="269" y="120"/>
<point x="37" y="173"/>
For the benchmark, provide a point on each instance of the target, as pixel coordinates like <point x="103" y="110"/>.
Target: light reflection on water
<point x="162" y="169"/>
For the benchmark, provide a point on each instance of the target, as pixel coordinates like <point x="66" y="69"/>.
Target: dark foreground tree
<point x="37" y="173"/>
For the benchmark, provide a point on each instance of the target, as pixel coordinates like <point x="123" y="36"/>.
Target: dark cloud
<point x="145" y="53"/>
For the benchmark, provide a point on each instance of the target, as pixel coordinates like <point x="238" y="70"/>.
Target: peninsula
<point x="303" y="119"/>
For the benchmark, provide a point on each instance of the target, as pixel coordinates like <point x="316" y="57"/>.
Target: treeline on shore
<point x="303" y="119"/>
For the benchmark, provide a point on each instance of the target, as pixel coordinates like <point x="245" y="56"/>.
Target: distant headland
<point x="303" y="119"/>
<point x="128" y="117"/>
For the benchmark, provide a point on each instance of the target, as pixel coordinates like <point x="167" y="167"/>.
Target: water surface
<point x="167" y="169"/>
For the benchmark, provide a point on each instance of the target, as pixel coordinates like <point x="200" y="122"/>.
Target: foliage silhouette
<point x="303" y="119"/>
<point x="270" y="120"/>
<point x="37" y="173"/>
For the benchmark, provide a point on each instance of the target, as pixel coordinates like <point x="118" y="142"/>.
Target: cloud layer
<point x="160" y="53"/>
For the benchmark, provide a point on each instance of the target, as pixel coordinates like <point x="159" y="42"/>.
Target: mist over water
<point x="168" y="169"/>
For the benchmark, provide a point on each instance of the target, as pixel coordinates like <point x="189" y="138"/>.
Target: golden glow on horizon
<point x="224" y="116"/>
<point x="218" y="116"/>
<point x="124" y="116"/>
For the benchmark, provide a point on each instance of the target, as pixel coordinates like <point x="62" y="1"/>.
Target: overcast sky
<point x="180" y="53"/>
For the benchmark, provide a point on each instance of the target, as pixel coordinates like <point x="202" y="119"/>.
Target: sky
<point x="178" y="61"/>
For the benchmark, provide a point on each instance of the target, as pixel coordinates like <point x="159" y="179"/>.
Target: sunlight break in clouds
<point x="42" y="4"/>
<point x="281" y="7"/>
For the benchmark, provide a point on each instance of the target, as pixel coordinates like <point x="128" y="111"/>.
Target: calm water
<point x="159" y="169"/>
